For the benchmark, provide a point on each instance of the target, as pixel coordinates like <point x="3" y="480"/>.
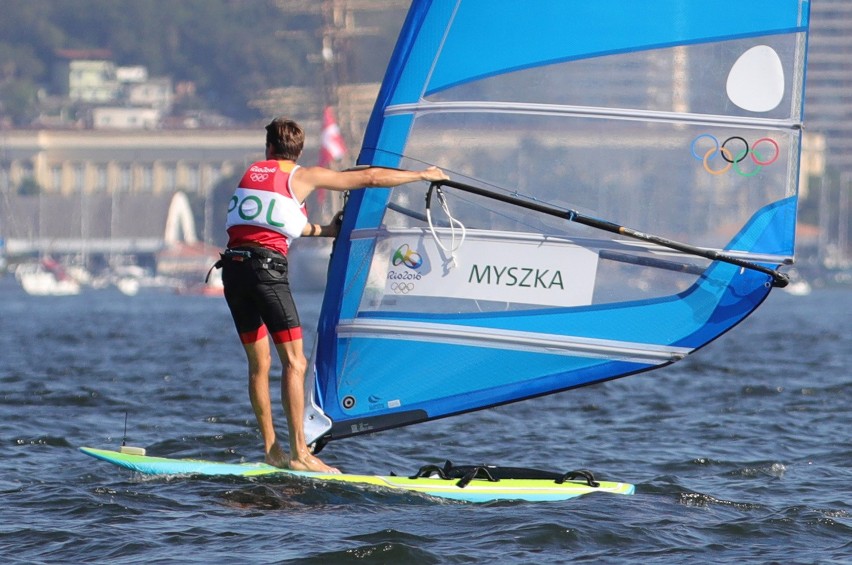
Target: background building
<point x="829" y="84"/>
<point x="828" y="111"/>
<point x="128" y="145"/>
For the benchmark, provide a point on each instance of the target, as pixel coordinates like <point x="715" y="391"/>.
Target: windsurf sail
<point x="664" y="136"/>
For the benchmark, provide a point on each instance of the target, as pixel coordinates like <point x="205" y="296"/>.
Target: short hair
<point x="286" y="138"/>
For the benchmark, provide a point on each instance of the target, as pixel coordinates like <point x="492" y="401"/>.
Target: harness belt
<point x="262" y="258"/>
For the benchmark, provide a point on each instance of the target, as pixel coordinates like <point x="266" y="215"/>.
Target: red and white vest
<point x="263" y="210"/>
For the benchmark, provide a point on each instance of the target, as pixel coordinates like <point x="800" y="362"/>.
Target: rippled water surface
<point x="740" y="453"/>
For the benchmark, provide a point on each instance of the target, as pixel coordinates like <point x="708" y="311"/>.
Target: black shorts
<point x="258" y="294"/>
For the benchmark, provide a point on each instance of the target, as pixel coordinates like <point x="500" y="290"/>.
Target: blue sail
<point x="676" y="118"/>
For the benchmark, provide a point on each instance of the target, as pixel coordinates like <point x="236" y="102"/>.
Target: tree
<point x="231" y="50"/>
<point x="19" y="101"/>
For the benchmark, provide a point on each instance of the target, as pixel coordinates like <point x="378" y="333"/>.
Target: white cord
<point x="453" y="223"/>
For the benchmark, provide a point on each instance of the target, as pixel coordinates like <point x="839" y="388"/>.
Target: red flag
<point x="333" y="148"/>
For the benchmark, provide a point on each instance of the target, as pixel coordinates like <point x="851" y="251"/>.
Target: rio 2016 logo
<point x="404" y="255"/>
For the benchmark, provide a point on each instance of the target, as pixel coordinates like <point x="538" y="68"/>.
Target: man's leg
<point x="293" y="398"/>
<point x="259" y="361"/>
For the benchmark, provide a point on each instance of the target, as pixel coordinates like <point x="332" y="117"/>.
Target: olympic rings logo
<point x="257" y="177"/>
<point x="732" y="158"/>
<point x="407" y="256"/>
<point x="401" y="287"/>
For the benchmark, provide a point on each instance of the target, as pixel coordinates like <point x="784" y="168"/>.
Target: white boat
<point x="128" y="286"/>
<point x="798" y="286"/>
<point x="37" y="280"/>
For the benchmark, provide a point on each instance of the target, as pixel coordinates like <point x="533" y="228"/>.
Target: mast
<point x="342" y="24"/>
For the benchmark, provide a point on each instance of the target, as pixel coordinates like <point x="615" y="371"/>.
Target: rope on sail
<point x="453" y="222"/>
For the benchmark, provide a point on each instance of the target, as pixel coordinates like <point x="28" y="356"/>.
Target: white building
<point x="122" y="97"/>
<point x="113" y="117"/>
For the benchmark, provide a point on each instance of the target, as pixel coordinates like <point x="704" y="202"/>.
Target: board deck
<point x="478" y="490"/>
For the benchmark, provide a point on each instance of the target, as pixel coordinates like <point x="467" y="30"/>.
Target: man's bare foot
<point x="277" y="458"/>
<point x="308" y="462"/>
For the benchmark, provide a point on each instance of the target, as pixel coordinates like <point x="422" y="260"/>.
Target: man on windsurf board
<point x="265" y="214"/>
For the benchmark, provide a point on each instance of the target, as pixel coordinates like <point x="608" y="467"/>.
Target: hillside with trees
<point x="230" y="50"/>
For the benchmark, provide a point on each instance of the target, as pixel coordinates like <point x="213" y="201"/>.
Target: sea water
<point x="740" y="453"/>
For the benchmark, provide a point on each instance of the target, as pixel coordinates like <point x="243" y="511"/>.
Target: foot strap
<point x="492" y="473"/>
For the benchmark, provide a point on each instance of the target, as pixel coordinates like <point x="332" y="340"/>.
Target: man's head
<point x="284" y="139"/>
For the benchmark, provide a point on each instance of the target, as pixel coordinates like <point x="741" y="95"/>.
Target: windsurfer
<point x="266" y="213"/>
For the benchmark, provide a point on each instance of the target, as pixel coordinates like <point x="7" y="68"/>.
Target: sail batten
<point x="526" y="341"/>
<point x="422" y="108"/>
<point x="624" y="190"/>
<point x="630" y="245"/>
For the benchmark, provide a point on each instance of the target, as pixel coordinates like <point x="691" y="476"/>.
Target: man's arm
<point x="319" y="230"/>
<point x="307" y="179"/>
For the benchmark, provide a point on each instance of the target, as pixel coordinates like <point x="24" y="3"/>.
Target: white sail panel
<point x="507" y="270"/>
